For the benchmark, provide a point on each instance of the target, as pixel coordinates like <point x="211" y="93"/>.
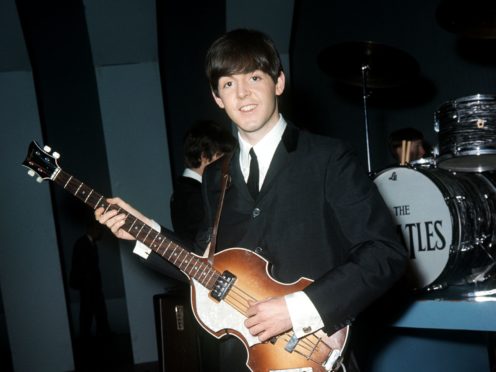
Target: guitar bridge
<point x="223" y="285"/>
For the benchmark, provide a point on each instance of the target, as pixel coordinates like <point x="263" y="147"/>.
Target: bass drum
<point x="446" y="220"/>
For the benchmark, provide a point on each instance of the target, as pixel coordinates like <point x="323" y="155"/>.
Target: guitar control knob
<point x="39" y="180"/>
<point x="56" y="155"/>
<point x="47" y="148"/>
<point x="31" y="172"/>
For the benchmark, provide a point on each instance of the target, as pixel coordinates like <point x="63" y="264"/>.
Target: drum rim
<point x="472" y="98"/>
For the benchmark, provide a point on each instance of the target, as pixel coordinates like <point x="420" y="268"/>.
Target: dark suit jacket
<point x="186" y="208"/>
<point x="317" y="215"/>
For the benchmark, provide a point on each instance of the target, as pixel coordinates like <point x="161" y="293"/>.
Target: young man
<point x="204" y="142"/>
<point x="314" y="214"/>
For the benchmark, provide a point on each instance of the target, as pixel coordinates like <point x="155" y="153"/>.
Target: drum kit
<point x="444" y="206"/>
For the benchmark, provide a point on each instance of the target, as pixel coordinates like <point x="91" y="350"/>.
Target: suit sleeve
<point x="374" y="258"/>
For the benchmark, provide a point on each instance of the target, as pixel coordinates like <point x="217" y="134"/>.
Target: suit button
<point x="258" y="250"/>
<point x="256" y="212"/>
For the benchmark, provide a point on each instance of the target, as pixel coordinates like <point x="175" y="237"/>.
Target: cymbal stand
<point x="365" y="69"/>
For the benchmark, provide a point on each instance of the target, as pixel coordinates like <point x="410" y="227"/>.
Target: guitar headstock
<point x="41" y="161"/>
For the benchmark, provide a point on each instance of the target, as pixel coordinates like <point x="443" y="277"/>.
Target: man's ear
<point x="280" y="84"/>
<point x="217" y="100"/>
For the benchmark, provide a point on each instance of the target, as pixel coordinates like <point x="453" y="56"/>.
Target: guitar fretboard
<point x="190" y="264"/>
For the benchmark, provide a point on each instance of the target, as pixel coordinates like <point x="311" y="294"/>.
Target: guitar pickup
<point x="291" y="344"/>
<point x="223" y="285"/>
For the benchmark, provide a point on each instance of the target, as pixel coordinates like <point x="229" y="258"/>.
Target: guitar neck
<point x="191" y="265"/>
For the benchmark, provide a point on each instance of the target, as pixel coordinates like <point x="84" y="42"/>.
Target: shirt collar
<point x="264" y="149"/>
<point x="190" y="173"/>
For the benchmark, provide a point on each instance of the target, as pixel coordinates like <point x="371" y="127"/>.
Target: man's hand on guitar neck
<point x="114" y="220"/>
<point x="268" y="318"/>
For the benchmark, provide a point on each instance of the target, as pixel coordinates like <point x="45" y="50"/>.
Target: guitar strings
<point x="238" y="299"/>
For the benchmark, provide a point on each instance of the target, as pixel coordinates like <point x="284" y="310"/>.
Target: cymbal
<point x="472" y="19"/>
<point x="387" y="66"/>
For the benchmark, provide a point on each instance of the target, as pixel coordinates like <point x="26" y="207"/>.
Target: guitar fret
<point x="130" y="227"/>
<point x="98" y="202"/>
<point x="185" y="263"/>
<point x="69" y="179"/>
<point x="142" y="225"/>
<point x="169" y="244"/>
<point x="156" y="236"/>
<point x="85" y="200"/>
<point x="161" y="250"/>
<point x="199" y="271"/>
<point x="181" y="259"/>
<point x="191" y="260"/>
<point x="208" y="280"/>
<point x="173" y="254"/>
<point x="149" y="231"/>
<point x="201" y="276"/>
<point x="160" y="245"/>
<point x="205" y="274"/>
<point x="78" y="189"/>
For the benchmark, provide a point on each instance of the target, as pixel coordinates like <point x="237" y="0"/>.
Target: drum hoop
<point x="468" y="99"/>
<point x="464" y="151"/>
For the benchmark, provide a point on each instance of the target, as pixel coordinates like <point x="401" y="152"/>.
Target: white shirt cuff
<point x="142" y="250"/>
<point x="304" y="315"/>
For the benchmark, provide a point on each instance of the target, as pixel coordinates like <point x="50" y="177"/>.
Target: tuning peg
<point x="39" y="180"/>
<point x="47" y="148"/>
<point x="31" y="172"/>
<point x="56" y="155"/>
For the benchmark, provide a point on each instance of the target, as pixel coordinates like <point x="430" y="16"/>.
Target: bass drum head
<point x="423" y="220"/>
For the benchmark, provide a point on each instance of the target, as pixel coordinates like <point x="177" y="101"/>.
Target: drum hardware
<point x="429" y="162"/>
<point x="368" y="65"/>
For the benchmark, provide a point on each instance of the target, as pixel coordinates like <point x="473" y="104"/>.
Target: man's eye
<point x="255" y="78"/>
<point x="228" y="84"/>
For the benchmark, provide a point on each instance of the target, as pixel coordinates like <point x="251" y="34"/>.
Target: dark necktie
<point x="252" y="181"/>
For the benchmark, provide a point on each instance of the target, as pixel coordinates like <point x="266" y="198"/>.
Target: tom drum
<point x="467" y="133"/>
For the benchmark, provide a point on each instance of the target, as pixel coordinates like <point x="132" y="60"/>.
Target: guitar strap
<point x="225" y="182"/>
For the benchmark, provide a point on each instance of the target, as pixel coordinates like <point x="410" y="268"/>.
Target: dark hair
<point x="207" y="138"/>
<point x="242" y="51"/>
<point x="404" y="134"/>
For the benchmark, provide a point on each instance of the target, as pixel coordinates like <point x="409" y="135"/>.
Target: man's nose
<point x="243" y="90"/>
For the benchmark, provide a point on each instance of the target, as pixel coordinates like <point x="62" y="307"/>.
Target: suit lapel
<point x="237" y="176"/>
<point x="287" y="145"/>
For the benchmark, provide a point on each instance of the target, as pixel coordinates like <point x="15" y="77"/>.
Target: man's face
<point x="250" y="101"/>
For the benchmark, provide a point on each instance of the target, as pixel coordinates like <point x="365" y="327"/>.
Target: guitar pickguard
<point x="217" y="316"/>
